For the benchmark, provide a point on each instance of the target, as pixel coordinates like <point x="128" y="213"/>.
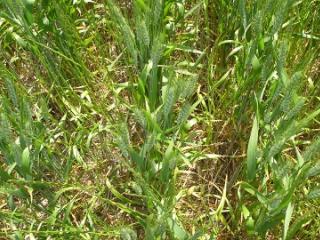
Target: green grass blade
<point x="252" y="151"/>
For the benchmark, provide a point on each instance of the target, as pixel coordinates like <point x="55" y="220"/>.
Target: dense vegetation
<point x="159" y="119"/>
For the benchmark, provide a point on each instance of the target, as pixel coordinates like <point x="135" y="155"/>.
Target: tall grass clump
<point x="157" y="89"/>
<point x="269" y="77"/>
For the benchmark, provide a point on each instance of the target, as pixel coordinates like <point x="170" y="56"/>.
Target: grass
<point x="189" y="119"/>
